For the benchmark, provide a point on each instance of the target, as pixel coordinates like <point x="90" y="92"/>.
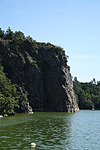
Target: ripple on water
<point x="58" y="131"/>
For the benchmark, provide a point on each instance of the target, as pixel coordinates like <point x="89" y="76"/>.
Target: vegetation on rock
<point x="33" y="74"/>
<point x="11" y="100"/>
<point x="18" y="37"/>
<point x="8" y="95"/>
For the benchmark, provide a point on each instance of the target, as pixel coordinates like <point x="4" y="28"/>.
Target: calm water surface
<point x="51" y="131"/>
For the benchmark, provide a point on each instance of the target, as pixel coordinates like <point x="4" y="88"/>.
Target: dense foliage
<point x="88" y="94"/>
<point x="8" y="95"/>
<point x="11" y="100"/>
<point x="17" y="37"/>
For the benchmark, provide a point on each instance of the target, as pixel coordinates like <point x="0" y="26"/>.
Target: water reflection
<point x="47" y="130"/>
<point x="51" y="131"/>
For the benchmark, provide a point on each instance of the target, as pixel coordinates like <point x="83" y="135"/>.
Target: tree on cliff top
<point x="18" y="36"/>
<point x="1" y="33"/>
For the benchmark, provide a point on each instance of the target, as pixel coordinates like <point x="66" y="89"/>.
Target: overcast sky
<point x="72" y="24"/>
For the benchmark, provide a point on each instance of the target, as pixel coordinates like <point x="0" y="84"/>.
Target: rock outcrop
<point x="41" y="69"/>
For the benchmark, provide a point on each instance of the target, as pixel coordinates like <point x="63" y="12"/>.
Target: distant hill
<point x="88" y="94"/>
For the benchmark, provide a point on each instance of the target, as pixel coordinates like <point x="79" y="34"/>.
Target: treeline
<point x="16" y="38"/>
<point x="88" y="94"/>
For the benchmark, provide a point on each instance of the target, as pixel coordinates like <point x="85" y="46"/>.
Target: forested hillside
<point x="88" y="94"/>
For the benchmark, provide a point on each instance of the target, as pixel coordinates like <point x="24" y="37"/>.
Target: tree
<point x="9" y="34"/>
<point x="8" y="95"/>
<point x="1" y="33"/>
<point x="18" y="35"/>
<point x="88" y="94"/>
<point x="98" y="83"/>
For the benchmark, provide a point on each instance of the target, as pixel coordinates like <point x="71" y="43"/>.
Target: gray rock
<point x="45" y="75"/>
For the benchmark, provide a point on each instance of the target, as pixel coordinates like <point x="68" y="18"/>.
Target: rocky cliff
<point x="40" y="69"/>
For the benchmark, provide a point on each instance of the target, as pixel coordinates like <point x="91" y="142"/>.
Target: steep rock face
<point x="43" y="72"/>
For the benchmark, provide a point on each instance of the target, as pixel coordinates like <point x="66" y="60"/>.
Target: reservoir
<point x="51" y="131"/>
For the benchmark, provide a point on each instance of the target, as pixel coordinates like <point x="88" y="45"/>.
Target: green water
<point x="51" y="131"/>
